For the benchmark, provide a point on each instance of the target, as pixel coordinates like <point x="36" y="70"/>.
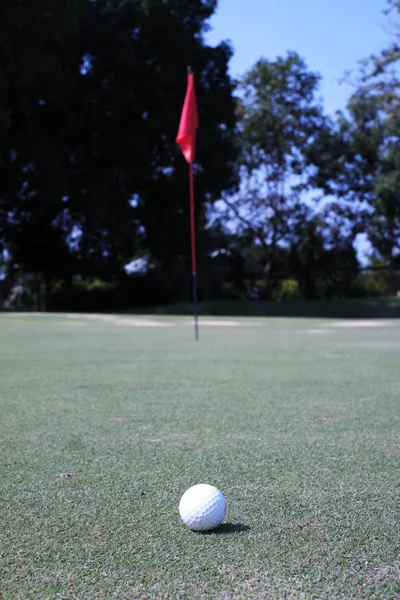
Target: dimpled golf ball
<point x="202" y="507"/>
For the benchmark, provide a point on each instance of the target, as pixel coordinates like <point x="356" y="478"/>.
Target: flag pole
<point x="186" y="139"/>
<point x="193" y="244"/>
<point x="194" y="262"/>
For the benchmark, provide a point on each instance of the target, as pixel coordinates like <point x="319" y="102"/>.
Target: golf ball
<point x="202" y="507"/>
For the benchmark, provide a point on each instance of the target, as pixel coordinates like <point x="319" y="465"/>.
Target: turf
<point x="296" y="421"/>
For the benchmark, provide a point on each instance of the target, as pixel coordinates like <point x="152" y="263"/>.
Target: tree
<point x="90" y="104"/>
<point x="358" y="159"/>
<point x="380" y="66"/>
<point x="382" y="82"/>
<point x="278" y="117"/>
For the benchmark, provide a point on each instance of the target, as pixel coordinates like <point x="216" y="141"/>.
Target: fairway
<point x="296" y="421"/>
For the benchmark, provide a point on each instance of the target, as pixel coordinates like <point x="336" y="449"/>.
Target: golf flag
<point x="186" y="137"/>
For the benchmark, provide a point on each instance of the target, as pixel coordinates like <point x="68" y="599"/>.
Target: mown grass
<point x="299" y="430"/>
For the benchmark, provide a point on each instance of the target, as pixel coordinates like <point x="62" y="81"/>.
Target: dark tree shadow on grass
<point x="226" y="528"/>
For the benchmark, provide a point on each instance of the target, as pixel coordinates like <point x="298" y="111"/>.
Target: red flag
<point x="186" y="137"/>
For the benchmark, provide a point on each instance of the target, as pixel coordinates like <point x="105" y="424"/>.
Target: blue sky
<point x="331" y="35"/>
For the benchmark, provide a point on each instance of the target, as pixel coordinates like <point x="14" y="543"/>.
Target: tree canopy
<point x="91" y="177"/>
<point x="91" y="99"/>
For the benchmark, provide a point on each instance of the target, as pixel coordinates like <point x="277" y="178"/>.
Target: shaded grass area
<point x="299" y="431"/>
<point x="368" y="308"/>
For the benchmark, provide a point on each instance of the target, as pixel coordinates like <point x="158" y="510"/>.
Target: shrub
<point x="375" y="283"/>
<point x="287" y="290"/>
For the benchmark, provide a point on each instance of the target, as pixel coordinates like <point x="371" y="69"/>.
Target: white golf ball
<point x="202" y="507"/>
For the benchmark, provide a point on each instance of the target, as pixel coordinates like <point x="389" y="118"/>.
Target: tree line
<point x="91" y="178"/>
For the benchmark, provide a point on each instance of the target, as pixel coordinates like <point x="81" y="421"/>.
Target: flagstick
<point x="194" y="266"/>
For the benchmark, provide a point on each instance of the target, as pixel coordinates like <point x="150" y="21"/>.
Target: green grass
<point x="299" y="430"/>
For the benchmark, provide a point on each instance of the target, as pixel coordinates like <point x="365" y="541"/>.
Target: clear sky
<point x="331" y="35"/>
